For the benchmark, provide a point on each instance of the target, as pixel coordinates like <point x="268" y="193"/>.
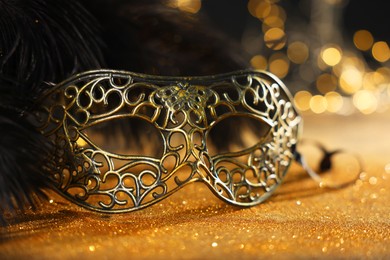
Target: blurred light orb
<point x="279" y="67"/>
<point x="381" y="51"/>
<point x="351" y="80"/>
<point x="318" y="104"/>
<point x="365" y="101"/>
<point x="334" y="102"/>
<point x="363" y="40"/>
<point x="252" y="4"/>
<point x="189" y="6"/>
<point x="302" y="100"/>
<point x="369" y="81"/>
<point x="259" y="62"/>
<point x="331" y="55"/>
<point x="272" y="22"/>
<point x="275" y="38"/>
<point x="281" y="13"/>
<point x="259" y="8"/>
<point x="378" y="78"/>
<point x="385" y="72"/>
<point x="298" y="52"/>
<point x="278" y="11"/>
<point x="326" y="83"/>
<point x="279" y="64"/>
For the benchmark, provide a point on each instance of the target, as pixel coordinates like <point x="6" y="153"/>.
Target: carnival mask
<point x="183" y="111"/>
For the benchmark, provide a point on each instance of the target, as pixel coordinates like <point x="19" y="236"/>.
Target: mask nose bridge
<point x="192" y="137"/>
<point x="200" y="151"/>
<point x="197" y="141"/>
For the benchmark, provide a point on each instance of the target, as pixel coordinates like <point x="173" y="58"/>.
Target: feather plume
<point x="40" y="41"/>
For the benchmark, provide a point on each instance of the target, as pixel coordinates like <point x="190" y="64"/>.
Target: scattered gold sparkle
<point x="387" y="168"/>
<point x="373" y="180"/>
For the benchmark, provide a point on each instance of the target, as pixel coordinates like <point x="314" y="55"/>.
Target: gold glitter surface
<point x="299" y="221"/>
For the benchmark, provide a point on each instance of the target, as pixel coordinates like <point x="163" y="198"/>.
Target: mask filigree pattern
<point x="184" y="109"/>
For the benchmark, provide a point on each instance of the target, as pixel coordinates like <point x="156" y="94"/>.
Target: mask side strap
<point x="301" y="160"/>
<point x="325" y="165"/>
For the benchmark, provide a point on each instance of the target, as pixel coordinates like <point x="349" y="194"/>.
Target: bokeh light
<point x="259" y="62"/>
<point x="365" y="101"/>
<point x="369" y="80"/>
<point x="275" y="38"/>
<point x="380" y="51"/>
<point x="351" y="80"/>
<point x="385" y="72"/>
<point x="334" y="102"/>
<point x="279" y="64"/>
<point x="315" y="59"/>
<point x="331" y="55"/>
<point x="326" y="83"/>
<point x="189" y="6"/>
<point x="302" y="100"/>
<point x="259" y="9"/>
<point x="363" y="40"/>
<point x="298" y="52"/>
<point x="272" y="22"/>
<point x="318" y="104"/>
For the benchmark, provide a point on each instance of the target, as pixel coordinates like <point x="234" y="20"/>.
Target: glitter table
<point x="300" y="220"/>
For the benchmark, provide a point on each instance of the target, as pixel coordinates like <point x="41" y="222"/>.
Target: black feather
<point x="46" y="40"/>
<point x="23" y="153"/>
<point x="40" y="41"/>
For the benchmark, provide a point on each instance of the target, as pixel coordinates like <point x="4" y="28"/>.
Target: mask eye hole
<point x="126" y="136"/>
<point x="236" y="133"/>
